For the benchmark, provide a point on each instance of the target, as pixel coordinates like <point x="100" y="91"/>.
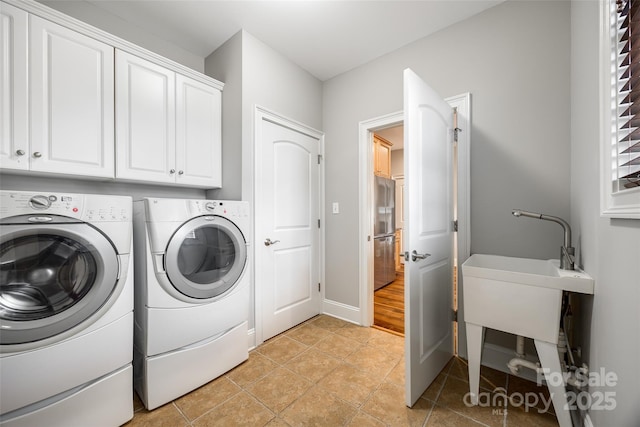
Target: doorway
<point x="288" y="238"/>
<point x="462" y="103"/>
<point x="388" y="293"/>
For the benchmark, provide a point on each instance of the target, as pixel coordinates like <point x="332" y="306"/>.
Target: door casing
<point x="462" y="176"/>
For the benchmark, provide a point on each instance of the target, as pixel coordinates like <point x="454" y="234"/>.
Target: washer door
<point x="53" y="277"/>
<point x="206" y="257"/>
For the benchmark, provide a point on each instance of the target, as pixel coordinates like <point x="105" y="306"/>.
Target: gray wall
<point x="397" y="162"/>
<point x="225" y="65"/>
<point x="255" y="74"/>
<point x="73" y="185"/>
<point x="609" y="249"/>
<point x="517" y="71"/>
<point x="272" y="81"/>
<point x="93" y="15"/>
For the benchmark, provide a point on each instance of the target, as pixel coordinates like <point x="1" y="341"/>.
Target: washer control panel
<point x="41" y="202"/>
<point x="84" y="207"/>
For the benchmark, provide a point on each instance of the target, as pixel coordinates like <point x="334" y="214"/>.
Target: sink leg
<point x="475" y="338"/>
<point x="550" y="360"/>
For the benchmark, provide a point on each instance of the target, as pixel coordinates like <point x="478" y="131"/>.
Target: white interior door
<point x="287" y="213"/>
<point x="428" y="234"/>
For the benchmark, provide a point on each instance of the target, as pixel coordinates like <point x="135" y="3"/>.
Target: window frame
<point x="613" y="204"/>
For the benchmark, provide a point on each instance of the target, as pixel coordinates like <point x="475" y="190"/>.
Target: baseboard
<point x="252" y="338"/>
<point x="342" y="311"/>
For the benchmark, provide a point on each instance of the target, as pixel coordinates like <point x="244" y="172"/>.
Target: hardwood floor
<point x="388" y="306"/>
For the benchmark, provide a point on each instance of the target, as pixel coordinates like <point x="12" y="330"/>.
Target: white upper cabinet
<point x="14" y="120"/>
<point x="71" y="93"/>
<point x="70" y="102"/>
<point x="145" y="105"/>
<point x="168" y="125"/>
<point x="198" y="133"/>
<point x="77" y="101"/>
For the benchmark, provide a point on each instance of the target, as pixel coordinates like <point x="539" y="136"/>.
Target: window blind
<point x="628" y="143"/>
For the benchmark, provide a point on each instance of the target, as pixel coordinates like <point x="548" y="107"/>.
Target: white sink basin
<point x="526" y="271"/>
<point x="518" y="295"/>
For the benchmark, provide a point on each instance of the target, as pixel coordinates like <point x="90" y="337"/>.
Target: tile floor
<point x="327" y="372"/>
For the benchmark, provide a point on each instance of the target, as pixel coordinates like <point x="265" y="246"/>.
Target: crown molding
<point x="60" y="18"/>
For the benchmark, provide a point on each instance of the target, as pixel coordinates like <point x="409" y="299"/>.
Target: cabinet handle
<point x="172" y="171"/>
<point x="20" y="152"/>
<point x="37" y="154"/>
<point x="180" y="172"/>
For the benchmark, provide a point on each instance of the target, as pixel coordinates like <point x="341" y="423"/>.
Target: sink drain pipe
<point x="520" y="346"/>
<point x="563" y="348"/>
<point x="515" y="364"/>
<point x="518" y="361"/>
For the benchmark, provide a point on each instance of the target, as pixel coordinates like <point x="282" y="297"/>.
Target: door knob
<point x="269" y="242"/>
<point x="20" y="152"/>
<point x="415" y="255"/>
<point x="37" y="154"/>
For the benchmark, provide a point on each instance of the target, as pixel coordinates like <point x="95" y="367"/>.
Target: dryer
<point x="66" y="309"/>
<point x="192" y="285"/>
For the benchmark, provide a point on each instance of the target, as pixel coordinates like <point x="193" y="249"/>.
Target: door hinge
<point x="318" y="223"/>
<point x="455" y="225"/>
<point x="456" y="131"/>
<point x="319" y="158"/>
<point x="455" y="315"/>
<point x="318" y="287"/>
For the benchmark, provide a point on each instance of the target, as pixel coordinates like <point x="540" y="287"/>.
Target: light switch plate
<point x="336" y="208"/>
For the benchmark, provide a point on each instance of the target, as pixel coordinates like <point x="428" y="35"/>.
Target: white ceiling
<point x="324" y="37"/>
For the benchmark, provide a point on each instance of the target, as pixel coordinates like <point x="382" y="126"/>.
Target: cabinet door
<point x="71" y="96"/>
<point x="145" y="120"/>
<point x="198" y="133"/>
<point x="14" y="121"/>
<point x="382" y="159"/>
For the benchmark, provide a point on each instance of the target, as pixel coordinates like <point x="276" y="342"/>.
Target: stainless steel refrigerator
<point x="384" y="199"/>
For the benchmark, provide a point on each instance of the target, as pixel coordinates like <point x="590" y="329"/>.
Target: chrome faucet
<point x="567" y="252"/>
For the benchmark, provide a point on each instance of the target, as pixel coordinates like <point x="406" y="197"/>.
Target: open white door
<point x="428" y="234"/>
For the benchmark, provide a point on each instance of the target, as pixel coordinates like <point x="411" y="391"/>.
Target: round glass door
<point x="52" y="278"/>
<point x="206" y="257"/>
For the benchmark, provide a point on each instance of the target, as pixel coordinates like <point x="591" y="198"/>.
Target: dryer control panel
<point x="219" y="207"/>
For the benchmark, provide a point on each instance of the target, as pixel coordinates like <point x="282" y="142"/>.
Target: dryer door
<point x="55" y="274"/>
<point x="205" y="257"/>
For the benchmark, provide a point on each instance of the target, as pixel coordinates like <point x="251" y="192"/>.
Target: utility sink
<point x="519" y="295"/>
<point x="524" y="297"/>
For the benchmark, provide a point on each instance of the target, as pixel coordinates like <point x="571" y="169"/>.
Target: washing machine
<point x="192" y="287"/>
<point x="66" y="309"/>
